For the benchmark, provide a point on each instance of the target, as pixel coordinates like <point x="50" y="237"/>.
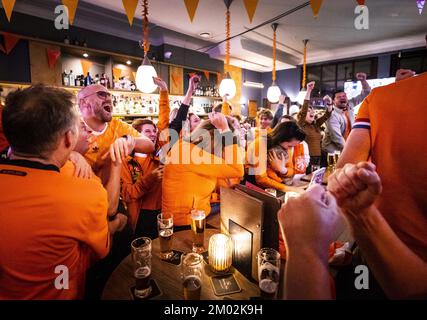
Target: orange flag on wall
<point x="2" y="48"/>
<point x="218" y="78"/>
<point x="206" y="74"/>
<point x="130" y="8"/>
<point x="52" y="57"/>
<point x="315" y="6"/>
<point x="86" y="64"/>
<point x="8" y="7"/>
<point x="72" y="7"/>
<point x="10" y="41"/>
<point x="191" y="6"/>
<point x="250" y="6"/>
<point x="361" y="2"/>
<point x="117" y="73"/>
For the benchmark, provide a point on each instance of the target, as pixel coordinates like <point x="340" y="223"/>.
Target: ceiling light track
<point x="284" y="14"/>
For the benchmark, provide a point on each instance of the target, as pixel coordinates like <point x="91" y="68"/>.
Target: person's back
<point x="397" y="121"/>
<point x="45" y="224"/>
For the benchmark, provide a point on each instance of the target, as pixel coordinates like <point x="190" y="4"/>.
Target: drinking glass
<point x="141" y="257"/>
<point x="165" y="228"/>
<point x="268" y="272"/>
<point x="191" y="275"/>
<point x="198" y="224"/>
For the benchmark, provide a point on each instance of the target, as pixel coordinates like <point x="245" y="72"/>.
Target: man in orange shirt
<point x="55" y="224"/>
<point x="110" y="135"/>
<point x="392" y="234"/>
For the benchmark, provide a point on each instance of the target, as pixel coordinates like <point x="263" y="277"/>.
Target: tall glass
<point x="331" y="159"/>
<point x="192" y="275"/>
<point x="268" y="273"/>
<point x="141" y="257"/>
<point x="198" y="224"/>
<point x="165" y="228"/>
<point x="337" y="155"/>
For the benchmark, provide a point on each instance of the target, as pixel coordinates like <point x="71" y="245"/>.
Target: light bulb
<point x="273" y="93"/>
<point x="144" y="77"/>
<point x="227" y="87"/>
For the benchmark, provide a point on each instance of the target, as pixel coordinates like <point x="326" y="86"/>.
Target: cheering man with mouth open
<point x="110" y="135"/>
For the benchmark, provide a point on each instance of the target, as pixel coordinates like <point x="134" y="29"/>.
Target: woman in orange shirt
<point x="194" y="166"/>
<point x="270" y="160"/>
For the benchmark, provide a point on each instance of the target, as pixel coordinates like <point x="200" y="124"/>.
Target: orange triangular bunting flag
<point x="10" y="41"/>
<point x="191" y="6"/>
<point x="250" y="6"/>
<point x="130" y="8"/>
<point x="361" y="2"/>
<point x="315" y="6"/>
<point x="72" y="7"/>
<point x="86" y="64"/>
<point x="206" y="74"/>
<point x="2" y="48"/>
<point x="8" y="7"/>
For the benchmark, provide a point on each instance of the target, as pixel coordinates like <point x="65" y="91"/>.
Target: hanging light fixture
<point x="146" y="71"/>
<point x="273" y="93"/>
<point x="302" y="93"/>
<point x="227" y="86"/>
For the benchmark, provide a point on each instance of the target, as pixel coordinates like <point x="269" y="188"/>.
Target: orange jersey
<point x="395" y="117"/>
<point x="49" y="219"/>
<point x="190" y="185"/>
<point x="138" y="190"/>
<point x="100" y="144"/>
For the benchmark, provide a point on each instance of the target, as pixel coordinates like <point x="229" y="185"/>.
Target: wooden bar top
<point x="168" y="278"/>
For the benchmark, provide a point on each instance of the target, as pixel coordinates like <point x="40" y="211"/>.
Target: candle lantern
<point x="220" y="252"/>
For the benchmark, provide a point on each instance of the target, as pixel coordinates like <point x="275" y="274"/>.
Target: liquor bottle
<point x="103" y="80"/>
<point x="71" y="78"/>
<point x="65" y="79"/>
<point x="88" y="80"/>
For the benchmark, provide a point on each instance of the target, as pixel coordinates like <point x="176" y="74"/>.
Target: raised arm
<point x="306" y="104"/>
<point x="279" y="111"/>
<point x="164" y="108"/>
<point x="366" y="89"/>
<point x="328" y="112"/>
<point x="181" y="116"/>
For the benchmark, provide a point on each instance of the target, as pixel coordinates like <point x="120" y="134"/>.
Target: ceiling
<point x="393" y="25"/>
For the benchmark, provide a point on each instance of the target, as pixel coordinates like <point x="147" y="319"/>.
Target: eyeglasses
<point x="103" y="95"/>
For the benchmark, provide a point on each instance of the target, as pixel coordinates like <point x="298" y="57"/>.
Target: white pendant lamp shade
<point x="273" y="93"/>
<point x="301" y="97"/>
<point x="227" y="87"/>
<point x="144" y="77"/>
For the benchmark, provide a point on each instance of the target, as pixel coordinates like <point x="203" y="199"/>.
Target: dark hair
<point x="34" y="118"/>
<point x="138" y="123"/>
<point x="335" y="92"/>
<point x="218" y="108"/>
<point x="284" y="132"/>
<point x="266" y="113"/>
<point x="199" y="138"/>
<point x="288" y="117"/>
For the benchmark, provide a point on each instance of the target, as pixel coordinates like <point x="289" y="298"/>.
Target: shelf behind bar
<point x="25" y="85"/>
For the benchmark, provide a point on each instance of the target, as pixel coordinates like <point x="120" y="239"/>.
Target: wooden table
<point x="167" y="276"/>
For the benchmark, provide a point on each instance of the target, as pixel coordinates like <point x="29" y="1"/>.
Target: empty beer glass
<point x="192" y="275"/>
<point x="198" y="223"/>
<point x="141" y="257"/>
<point x="268" y="272"/>
<point x="165" y="228"/>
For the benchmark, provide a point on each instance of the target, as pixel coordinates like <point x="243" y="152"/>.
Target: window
<point x="414" y="60"/>
<point x="330" y="77"/>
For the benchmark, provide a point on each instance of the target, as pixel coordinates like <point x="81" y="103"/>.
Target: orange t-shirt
<point x="189" y="182"/>
<point x="48" y="219"/>
<point x="395" y="116"/>
<point x="100" y="144"/>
